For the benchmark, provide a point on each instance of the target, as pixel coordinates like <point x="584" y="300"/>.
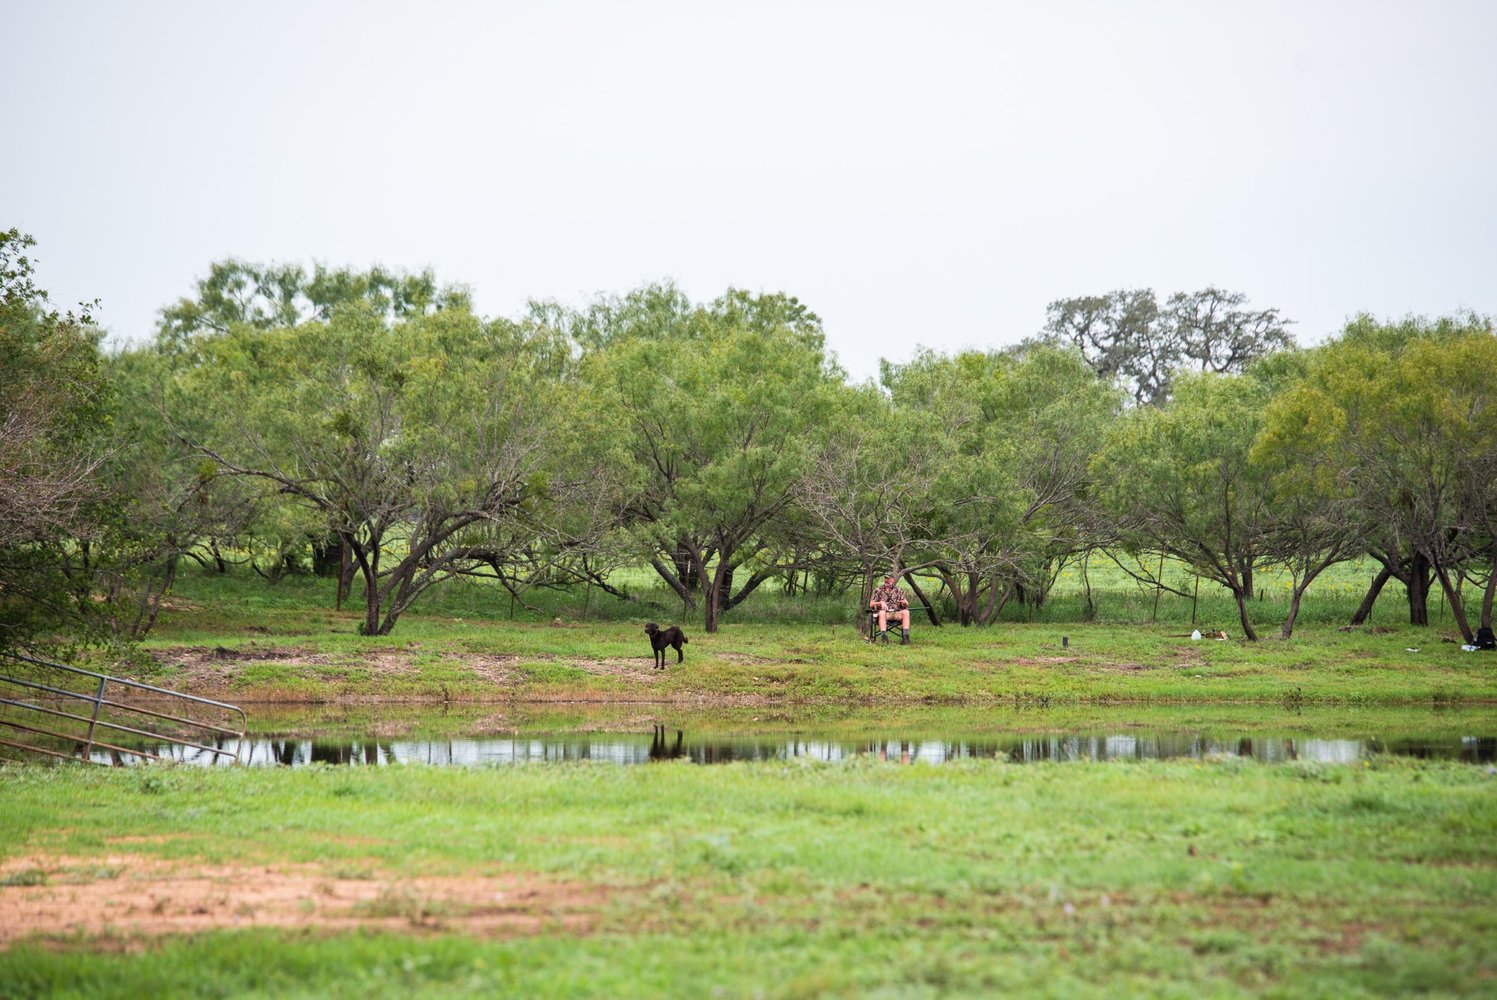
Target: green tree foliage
<point x="52" y="400"/>
<point x="372" y="414"/>
<point x="430" y="447"/>
<point x="164" y="502"/>
<point x="239" y="294"/>
<point x="1179" y="481"/>
<point x="1004" y="499"/>
<point x="1127" y="337"/>
<point x="868" y="489"/>
<point x="1404" y="415"/>
<point x="708" y="414"/>
<point x="271" y="296"/>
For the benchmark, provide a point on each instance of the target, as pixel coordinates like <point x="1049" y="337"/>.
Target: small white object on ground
<point x="1196" y="634"/>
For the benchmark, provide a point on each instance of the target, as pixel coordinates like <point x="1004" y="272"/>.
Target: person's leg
<point x="904" y="627"/>
<point x="883" y="620"/>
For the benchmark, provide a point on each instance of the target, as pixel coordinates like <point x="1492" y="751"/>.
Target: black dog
<point x="660" y="638"/>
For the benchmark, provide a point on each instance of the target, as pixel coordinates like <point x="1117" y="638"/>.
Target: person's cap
<point x="888" y="577"/>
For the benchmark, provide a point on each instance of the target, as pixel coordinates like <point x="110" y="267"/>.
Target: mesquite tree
<point x="420" y="444"/>
<point x="709" y="412"/>
<point x="1180" y="481"/>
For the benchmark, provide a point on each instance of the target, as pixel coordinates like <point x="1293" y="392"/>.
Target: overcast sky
<point x="930" y="173"/>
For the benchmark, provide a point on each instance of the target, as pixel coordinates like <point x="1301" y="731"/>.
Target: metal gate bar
<point x="87" y="742"/>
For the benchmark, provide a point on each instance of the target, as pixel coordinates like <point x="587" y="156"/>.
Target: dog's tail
<point x="684" y="640"/>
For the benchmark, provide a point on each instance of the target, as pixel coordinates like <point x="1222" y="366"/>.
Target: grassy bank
<point x="784" y="880"/>
<point x="239" y="637"/>
<point x="261" y="654"/>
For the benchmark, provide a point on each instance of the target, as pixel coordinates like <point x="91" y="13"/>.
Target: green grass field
<point x="784" y="879"/>
<point x="860" y="879"/>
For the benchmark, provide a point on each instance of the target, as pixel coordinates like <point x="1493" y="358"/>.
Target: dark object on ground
<point x="661" y="638"/>
<point x="1484" y="639"/>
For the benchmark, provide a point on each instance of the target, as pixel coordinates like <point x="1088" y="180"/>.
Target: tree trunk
<point x="1487" y="596"/>
<point x="966" y="600"/>
<point x="1364" y="610"/>
<point x="371" y="608"/>
<point x="153" y="599"/>
<point x="712" y="590"/>
<point x="1288" y="628"/>
<point x="686" y="568"/>
<point x="711" y="602"/>
<point x="1241" y="597"/>
<point x="930" y="611"/>
<point x="1294" y="602"/>
<point x="1457" y="606"/>
<point x="369" y="569"/>
<point x="1418" y="588"/>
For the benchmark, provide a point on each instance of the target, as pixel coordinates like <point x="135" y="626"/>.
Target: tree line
<point x="370" y="426"/>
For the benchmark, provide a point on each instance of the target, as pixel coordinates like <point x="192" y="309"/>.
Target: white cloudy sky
<point x="927" y="173"/>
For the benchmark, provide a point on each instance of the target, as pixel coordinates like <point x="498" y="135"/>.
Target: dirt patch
<point x="130" y="895"/>
<point x="748" y="658"/>
<point x="490" y="668"/>
<point x="214" y="668"/>
<point x="634" y="671"/>
<point x="1041" y="661"/>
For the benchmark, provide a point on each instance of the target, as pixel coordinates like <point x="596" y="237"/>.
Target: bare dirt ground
<point x="130" y="895"/>
<point x="212" y="668"/>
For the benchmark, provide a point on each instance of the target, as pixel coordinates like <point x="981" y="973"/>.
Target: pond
<point x="625" y="735"/>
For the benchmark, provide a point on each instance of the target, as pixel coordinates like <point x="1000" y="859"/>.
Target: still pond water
<point x="909" y="739"/>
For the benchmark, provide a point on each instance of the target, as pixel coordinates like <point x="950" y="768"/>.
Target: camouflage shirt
<point x="890" y="596"/>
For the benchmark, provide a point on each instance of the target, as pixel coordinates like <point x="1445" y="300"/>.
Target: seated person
<point x="889" y="600"/>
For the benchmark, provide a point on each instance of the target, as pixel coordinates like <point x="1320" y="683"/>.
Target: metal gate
<point x="69" y="713"/>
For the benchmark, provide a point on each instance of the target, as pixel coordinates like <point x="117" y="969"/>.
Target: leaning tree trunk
<point x="1486" y="598"/>
<point x="1242" y="612"/>
<point x="1294" y="600"/>
<point x="1457" y="606"/>
<point x="1364" y="610"/>
<point x="930" y="610"/>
